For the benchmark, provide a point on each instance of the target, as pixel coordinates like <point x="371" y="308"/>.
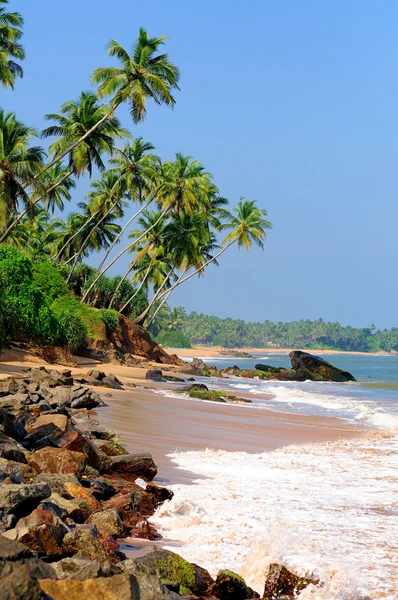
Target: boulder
<point x="118" y="587"/>
<point x="21" y="499"/>
<point x="101" y="488"/>
<point x="19" y="584"/>
<point x="11" y="550"/>
<point x="36" y="568"/>
<point x="319" y="368"/>
<point x="58" y="460"/>
<point x="7" y="522"/>
<point x="74" y="440"/>
<point x="230" y="586"/>
<point x="81" y="493"/>
<point x="167" y="565"/>
<point x="281" y="582"/>
<point x="56" y="481"/>
<point x="75" y="509"/>
<point x="108" y="522"/>
<point x="110" y="447"/>
<point x="95" y="569"/>
<point x="154" y="375"/>
<point x="59" y="420"/>
<point x="303" y="374"/>
<point x="89" y="427"/>
<point x="87" y="544"/>
<point x="11" y="450"/>
<point x="68" y="567"/>
<point x="134" y="465"/>
<point x="144" y="531"/>
<point x="97" y="375"/>
<point x="41" y="436"/>
<point x="41" y="539"/>
<point x="22" y="470"/>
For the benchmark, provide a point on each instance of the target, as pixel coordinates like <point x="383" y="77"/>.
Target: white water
<point x="330" y="509"/>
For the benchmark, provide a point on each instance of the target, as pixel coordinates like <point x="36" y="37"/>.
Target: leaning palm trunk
<point x="123" y="252"/>
<point x="137" y="290"/>
<point x="153" y="317"/>
<point x="87" y="239"/>
<point x="58" y="256"/>
<point x="26" y="210"/>
<point x="179" y="281"/>
<point x="158" y="295"/>
<point x="115" y="241"/>
<point x="127" y="273"/>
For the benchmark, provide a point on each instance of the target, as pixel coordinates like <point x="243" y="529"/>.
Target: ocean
<point x="329" y="509"/>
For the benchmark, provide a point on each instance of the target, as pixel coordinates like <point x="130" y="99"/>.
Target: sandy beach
<point x="149" y="420"/>
<point x="205" y="351"/>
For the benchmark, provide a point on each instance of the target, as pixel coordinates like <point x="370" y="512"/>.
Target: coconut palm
<point x="19" y="164"/>
<point x="247" y="227"/>
<point x="56" y="184"/>
<point x="137" y="168"/>
<point x="10" y="48"/>
<point x="144" y="75"/>
<point x="68" y="243"/>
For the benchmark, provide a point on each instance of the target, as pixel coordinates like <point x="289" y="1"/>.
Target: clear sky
<point x="291" y="103"/>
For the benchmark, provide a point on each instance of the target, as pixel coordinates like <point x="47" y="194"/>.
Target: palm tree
<point x="182" y="185"/>
<point x="105" y="198"/>
<point x="20" y="163"/>
<point x="137" y="169"/>
<point x="143" y="75"/>
<point x="247" y="227"/>
<point x="67" y="243"/>
<point x="10" y="48"/>
<point x="56" y="184"/>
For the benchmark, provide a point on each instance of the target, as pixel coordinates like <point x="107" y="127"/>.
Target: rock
<point x="167" y="565"/>
<point x="154" y="375"/>
<point x="11" y="450"/>
<point x="318" y="367"/>
<point x="36" y="568"/>
<point x="41" y="436"/>
<point x="144" y="531"/>
<point x="59" y="420"/>
<point x="269" y="369"/>
<point x="198" y="364"/>
<point x="84" y="543"/>
<point x="100" y="488"/>
<point x="88" y="426"/>
<point x="58" y="460"/>
<point x="68" y="567"/>
<point x="40" y="539"/>
<point x="95" y="374"/>
<point x="118" y="587"/>
<point x="19" y="585"/>
<point x="56" y="481"/>
<point x="83" y="397"/>
<point x="58" y="397"/>
<point x="11" y="550"/>
<point x="303" y="374"/>
<point x="81" y="493"/>
<point x="95" y="569"/>
<point x="230" y="586"/>
<point x="134" y="465"/>
<point x="173" y="379"/>
<point x="22" y="499"/>
<point x="110" y="447"/>
<point x="74" y="440"/>
<point x="75" y="509"/>
<point x="281" y="582"/>
<point x="108" y="522"/>
<point x="22" y="470"/>
<point x="7" y="522"/>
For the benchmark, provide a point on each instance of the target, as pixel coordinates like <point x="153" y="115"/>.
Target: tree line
<point x="235" y="333"/>
<point x="167" y="216"/>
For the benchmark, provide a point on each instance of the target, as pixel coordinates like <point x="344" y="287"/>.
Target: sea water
<point x="327" y="509"/>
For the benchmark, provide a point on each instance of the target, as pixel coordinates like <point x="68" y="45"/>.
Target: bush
<point x="110" y="318"/>
<point x="91" y="318"/>
<point x="73" y="330"/>
<point x="49" y="280"/>
<point x="105" y="288"/>
<point x="173" y="339"/>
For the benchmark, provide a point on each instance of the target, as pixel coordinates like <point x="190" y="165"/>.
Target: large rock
<point x="319" y="368"/>
<point x="154" y="375"/>
<point x="20" y="585"/>
<point x="42" y="531"/>
<point x="170" y="566"/>
<point x="230" y="586"/>
<point x="108" y="522"/>
<point x="41" y="436"/>
<point x="21" y="499"/>
<point x="11" y="450"/>
<point x="281" y="582"/>
<point x="58" y="460"/>
<point x="36" y="568"/>
<point x="12" y="551"/>
<point x="75" y="509"/>
<point x="87" y="544"/>
<point x="56" y="481"/>
<point x="118" y="587"/>
<point x="59" y="420"/>
<point x="134" y="465"/>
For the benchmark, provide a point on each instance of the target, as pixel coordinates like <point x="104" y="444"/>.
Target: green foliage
<point x="26" y="314"/>
<point x="110" y="318"/>
<point x="73" y="331"/>
<point x="105" y="289"/>
<point x="49" y="279"/>
<point x="173" y="339"/>
<point x="91" y="318"/>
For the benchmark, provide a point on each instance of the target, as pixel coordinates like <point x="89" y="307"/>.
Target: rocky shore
<point x="70" y="493"/>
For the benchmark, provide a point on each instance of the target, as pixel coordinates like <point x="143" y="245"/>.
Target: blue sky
<point x="290" y="103"/>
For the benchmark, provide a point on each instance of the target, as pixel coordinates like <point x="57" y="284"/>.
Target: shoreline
<point x="206" y="351"/>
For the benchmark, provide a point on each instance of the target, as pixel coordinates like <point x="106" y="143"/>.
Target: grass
<point x="91" y="317"/>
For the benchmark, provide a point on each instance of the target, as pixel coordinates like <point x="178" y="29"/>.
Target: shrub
<point x="49" y="280"/>
<point x="73" y="330"/>
<point x="173" y="339"/>
<point x="91" y="317"/>
<point x="110" y="318"/>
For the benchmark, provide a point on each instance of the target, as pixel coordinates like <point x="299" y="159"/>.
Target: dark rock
<point x="95" y="374"/>
<point x="230" y="586"/>
<point x="318" y="367"/>
<point x="269" y="369"/>
<point x="118" y="587"/>
<point x="7" y="522"/>
<point x="73" y="508"/>
<point x="88" y="426"/>
<point x="19" y="470"/>
<point x="154" y="375"/>
<point x="100" y="488"/>
<point x="95" y="569"/>
<point x="303" y="374"/>
<point x="281" y="582"/>
<point x="41" y="436"/>
<point x="108" y="522"/>
<point x="144" y="531"/>
<point x="22" y="499"/>
<point x="174" y="379"/>
<point x="11" y="450"/>
<point x="58" y="460"/>
<point x="134" y="465"/>
<point x="84" y="543"/>
<point x="20" y="585"/>
<point x="12" y="551"/>
<point x="56" y="481"/>
<point x="110" y="447"/>
<point x="37" y="568"/>
<point x="197" y="386"/>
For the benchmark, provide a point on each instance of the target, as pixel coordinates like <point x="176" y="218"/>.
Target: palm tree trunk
<point x="26" y="210"/>
<point x="158" y="295"/>
<point x="157" y="310"/>
<point x="115" y="241"/>
<point x="122" y="252"/>
<point x="58" y="256"/>
<point x="180" y="281"/>
<point x="137" y="290"/>
<point x="85" y="242"/>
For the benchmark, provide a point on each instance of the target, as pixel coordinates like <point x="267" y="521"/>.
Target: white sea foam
<point x="331" y="509"/>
